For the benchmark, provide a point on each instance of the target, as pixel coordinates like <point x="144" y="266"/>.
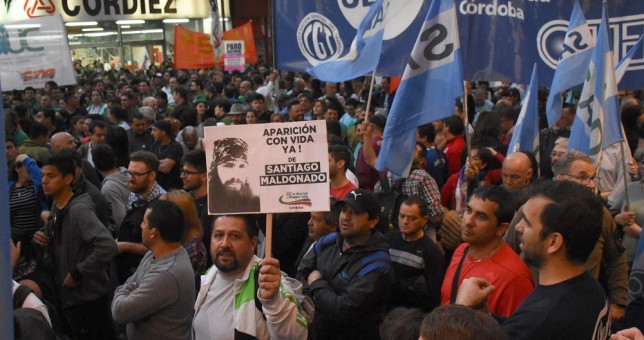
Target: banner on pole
<point x="267" y="168"/>
<point x="33" y="52"/>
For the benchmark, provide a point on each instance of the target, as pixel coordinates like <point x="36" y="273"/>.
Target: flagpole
<point x="621" y="144"/>
<point x="373" y="77"/>
<point x="466" y="119"/>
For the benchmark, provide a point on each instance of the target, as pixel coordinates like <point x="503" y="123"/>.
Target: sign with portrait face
<point x="267" y="168"/>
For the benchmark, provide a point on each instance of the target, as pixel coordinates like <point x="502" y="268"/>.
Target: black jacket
<point x="350" y="298"/>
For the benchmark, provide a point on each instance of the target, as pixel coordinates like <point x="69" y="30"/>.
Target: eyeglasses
<point x="188" y="172"/>
<point x="585" y="180"/>
<point x="18" y="165"/>
<point x="137" y="175"/>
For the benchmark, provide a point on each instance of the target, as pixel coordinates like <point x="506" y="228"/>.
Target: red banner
<point x="192" y="50"/>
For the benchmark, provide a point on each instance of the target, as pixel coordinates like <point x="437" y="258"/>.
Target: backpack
<point x="390" y="198"/>
<point x="29" y="323"/>
<point x="438" y="168"/>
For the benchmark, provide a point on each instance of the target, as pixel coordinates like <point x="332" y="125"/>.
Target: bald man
<point x="61" y="141"/>
<point x="65" y="141"/>
<point x="516" y="171"/>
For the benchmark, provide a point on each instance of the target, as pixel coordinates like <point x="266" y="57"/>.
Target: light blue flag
<point x="364" y="54"/>
<point x="526" y="130"/>
<point x="6" y="300"/>
<point x="597" y="124"/>
<point x="432" y="80"/>
<point x="620" y="69"/>
<point x="573" y="62"/>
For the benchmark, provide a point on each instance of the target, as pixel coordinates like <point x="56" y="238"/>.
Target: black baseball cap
<point x="361" y="201"/>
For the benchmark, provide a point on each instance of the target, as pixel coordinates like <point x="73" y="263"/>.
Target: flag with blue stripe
<point x="573" y="62"/>
<point x="597" y="124"/>
<point x="526" y="130"/>
<point x="364" y="54"/>
<point x="620" y="69"/>
<point x="6" y="315"/>
<point x="432" y="80"/>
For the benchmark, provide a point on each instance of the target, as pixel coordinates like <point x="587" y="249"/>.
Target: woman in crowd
<point x="192" y="239"/>
<point x="97" y="106"/>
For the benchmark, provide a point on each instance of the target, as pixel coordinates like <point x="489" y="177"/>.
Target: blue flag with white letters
<point x="597" y="124"/>
<point x="432" y="80"/>
<point x="526" y="130"/>
<point x="364" y="54"/>
<point x="573" y="62"/>
<point x="620" y="69"/>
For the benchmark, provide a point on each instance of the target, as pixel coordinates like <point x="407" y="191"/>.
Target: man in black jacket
<point x="348" y="274"/>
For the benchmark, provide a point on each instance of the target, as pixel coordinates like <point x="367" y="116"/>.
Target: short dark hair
<point x="197" y="159"/>
<point x="182" y="92"/>
<point x="454" y="124"/>
<point x="401" y="324"/>
<point x="575" y="212"/>
<point x="119" y="113"/>
<point x="104" y="157"/>
<point x="291" y="104"/>
<point x="167" y="218"/>
<point x="460" y="323"/>
<point x="150" y="159"/>
<point x="422" y="205"/>
<point x="38" y="130"/>
<point x="502" y="197"/>
<point x="341" y="153"/>
<point x="161" y="94"/>
<point x="63" y="161"/>
<point x="250" y="223"/>
<point x="427" y="131"/>
<point x="51" y="114"/>
<point x="96" y="123"/>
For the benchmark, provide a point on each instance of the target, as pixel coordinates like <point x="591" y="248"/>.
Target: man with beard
<point x="228" y="187"/>
<point x="560" y="225"/>
<point x="243" y="296"/>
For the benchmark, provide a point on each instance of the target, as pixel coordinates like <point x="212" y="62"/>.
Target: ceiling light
<point x="130" y="22"/>
<point x="175" y="21"/>
<point x="81" y="23"/>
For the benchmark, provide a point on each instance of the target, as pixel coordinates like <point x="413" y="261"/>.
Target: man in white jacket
<point x="243" y="296"/>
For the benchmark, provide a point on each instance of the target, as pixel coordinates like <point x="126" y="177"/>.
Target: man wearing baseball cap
<point x="348" y="273"/>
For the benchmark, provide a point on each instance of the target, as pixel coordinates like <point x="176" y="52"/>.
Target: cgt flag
<point x="433" y="79"/>
<point x="597" y="123"/>
<point x="192" y="50"/>
<point x="526" y="130"/>
<point x="364" y="54"/>
<point x="620" y="69"/>
<point x="573" y="62"/>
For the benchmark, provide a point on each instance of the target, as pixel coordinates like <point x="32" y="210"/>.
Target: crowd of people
<point x="109" y="205"/>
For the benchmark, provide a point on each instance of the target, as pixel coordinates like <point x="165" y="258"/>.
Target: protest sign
<point x="267" y="168"/>
<point x="234" y="55"/>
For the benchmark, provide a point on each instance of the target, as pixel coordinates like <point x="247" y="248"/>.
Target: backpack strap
<point x="384" y="182"/>
<point x="20" y="295"/>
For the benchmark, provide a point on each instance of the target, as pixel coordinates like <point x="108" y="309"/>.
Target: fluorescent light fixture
<point x="159" y="30"/>
<point x="223" y="19"/>
<point x="20" y="26"/>
<point x="93" y="29"/>
<point x="81" y="23"/>
<point x="74" y="42"/>
<point x="130" y="22"/>
<point x="125" y="26"/>
<point x="175" y="21"/>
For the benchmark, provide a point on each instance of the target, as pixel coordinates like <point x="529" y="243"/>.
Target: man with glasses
<point x="608" y="257"/>
<point x="142" y="174"/>
<point x="195" y="181"/>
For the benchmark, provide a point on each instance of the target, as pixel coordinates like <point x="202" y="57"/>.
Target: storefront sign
<point x="97" y="10"/>
<point x="33" y="52"/>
